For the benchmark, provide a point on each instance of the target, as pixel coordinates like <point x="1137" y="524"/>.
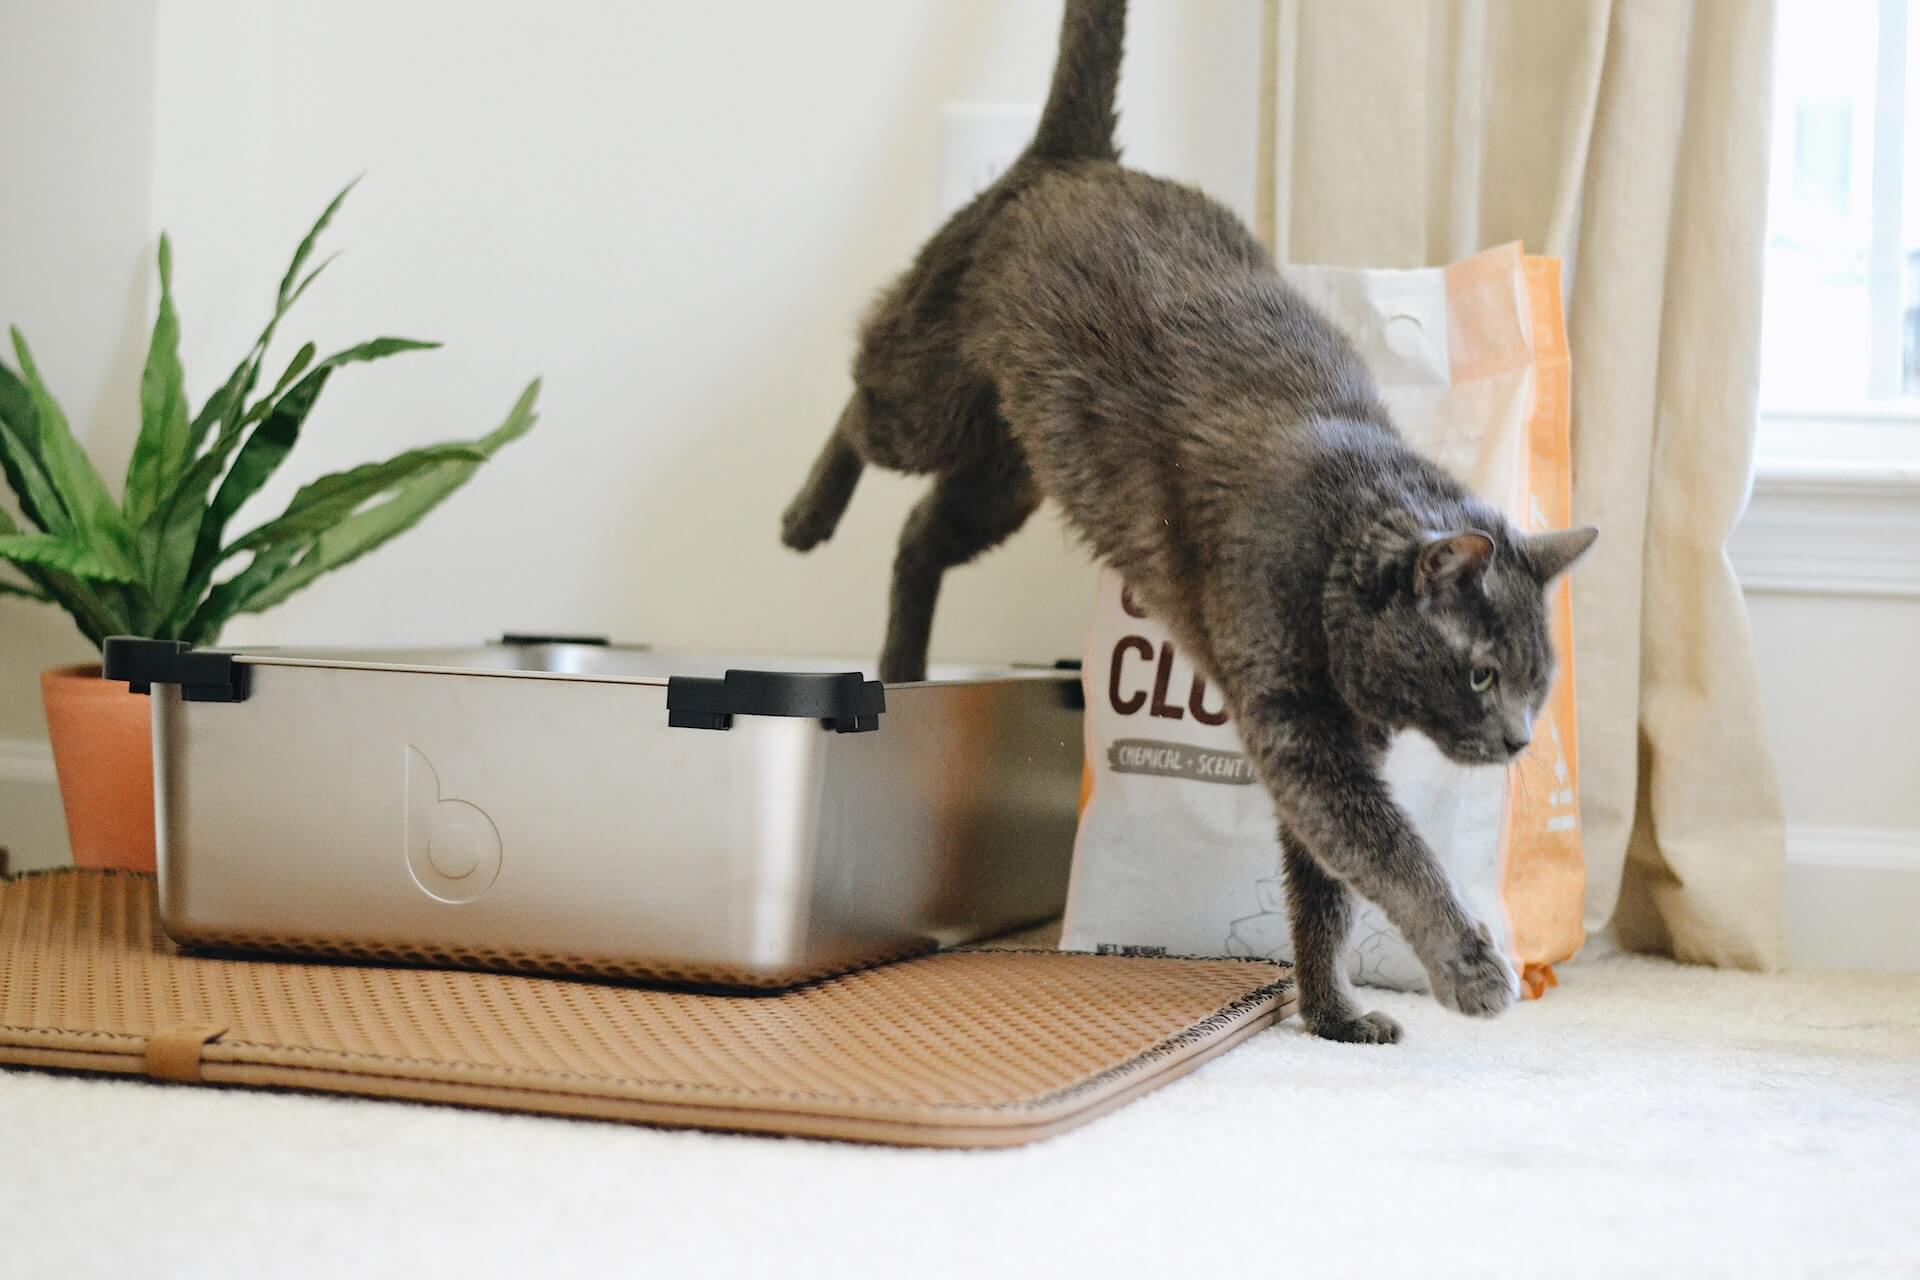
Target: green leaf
<point x="168" y="537"/>
<point x="224" y="408"/>
<point x="230" y="597"/>
<point x="306" y="281"/>
<point x="194" y="562"/>
<point x="285" y="412"/>
<point x="95" y="617"/>
<point x="295" y="367"/>
<point x="89" y="506"/>
<point x="274" y="575"/>
<point x="160" y="452"/>
<point x="16" y="407"/>
<point x="359" y="534"/>
<point x="377" y="349"/>
<point x="38" y="501"/>
<point x="33" y="592"/>
<point x="332" y="498"/>
<point x="261" y="456"/>
<point x="300" y="255"/>
<point x="16" y="411"/>
<point x="51" y="551"/>
<point x="215" y="410"/>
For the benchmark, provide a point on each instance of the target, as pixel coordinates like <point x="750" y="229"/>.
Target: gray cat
<point x="1124" y="346"/>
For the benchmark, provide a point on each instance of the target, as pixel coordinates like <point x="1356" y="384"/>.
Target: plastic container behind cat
<point x="1177" y="849"/>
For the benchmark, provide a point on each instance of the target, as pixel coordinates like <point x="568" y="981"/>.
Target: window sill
<point x="1836" y="505"/>
<point x="1869" y="438"/>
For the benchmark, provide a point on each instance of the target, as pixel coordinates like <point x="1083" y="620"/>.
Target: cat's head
<point x="1449" y="635"/>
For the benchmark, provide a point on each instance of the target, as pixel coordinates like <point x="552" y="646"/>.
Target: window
<point x="1840" y="346"/>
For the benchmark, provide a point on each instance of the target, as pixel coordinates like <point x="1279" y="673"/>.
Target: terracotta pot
<point x="103" y="754"/>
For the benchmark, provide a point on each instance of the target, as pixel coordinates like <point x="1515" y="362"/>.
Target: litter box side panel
<point x="486" y="820"/>
<point x="955" y="820"/>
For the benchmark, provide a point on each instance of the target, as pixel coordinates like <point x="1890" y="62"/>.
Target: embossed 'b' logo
<point x="453" y="848"/>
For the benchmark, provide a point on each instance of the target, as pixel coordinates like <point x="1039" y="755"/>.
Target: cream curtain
<point x="1630" y="140"/>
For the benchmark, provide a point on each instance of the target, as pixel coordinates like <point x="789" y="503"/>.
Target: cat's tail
<point x="815" y="511"/>
<point x="1078" y="120"/>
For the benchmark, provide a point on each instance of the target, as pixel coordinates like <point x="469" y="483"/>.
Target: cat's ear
<point x="1552" y="554"/>
<point x="1460" y="557"/>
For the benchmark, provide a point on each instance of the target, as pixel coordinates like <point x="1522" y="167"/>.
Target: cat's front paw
<point x="1365" y="1028"/>
<point x="1471" y="976"/>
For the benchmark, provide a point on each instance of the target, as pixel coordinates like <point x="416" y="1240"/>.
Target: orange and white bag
<point x="1177" y="849"/>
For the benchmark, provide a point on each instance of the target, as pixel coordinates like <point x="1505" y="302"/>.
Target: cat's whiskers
<point x="1522" y="772"/>
<point x="1517" y="779"/>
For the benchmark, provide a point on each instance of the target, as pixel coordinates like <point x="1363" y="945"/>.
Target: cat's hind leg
<point x="969" y="510"/>
<point x="815" y="511"/>
<point x="1319" y="916"/>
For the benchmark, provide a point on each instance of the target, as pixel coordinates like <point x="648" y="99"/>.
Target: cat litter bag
<point x="1177" y="849"/>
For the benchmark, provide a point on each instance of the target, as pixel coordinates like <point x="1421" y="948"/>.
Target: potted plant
<point x="161" y="562"/>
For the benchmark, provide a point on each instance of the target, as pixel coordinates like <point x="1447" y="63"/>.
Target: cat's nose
<point x="1518" y="731"/>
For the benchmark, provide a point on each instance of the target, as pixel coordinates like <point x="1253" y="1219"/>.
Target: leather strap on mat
<point x="963" y="1048"/>
<point x="174" y="1054"/>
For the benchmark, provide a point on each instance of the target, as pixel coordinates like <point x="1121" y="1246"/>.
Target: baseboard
<point x="1858" y="848"/>
<point x="1853" y="895"/>
<point x="26" y="760"/>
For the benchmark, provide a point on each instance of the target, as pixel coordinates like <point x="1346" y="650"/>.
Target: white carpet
<point x="1643" y="1119"/>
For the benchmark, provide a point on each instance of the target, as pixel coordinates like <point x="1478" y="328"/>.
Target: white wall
<point x="76" y="172"/>
<point x="1841" y="679"/>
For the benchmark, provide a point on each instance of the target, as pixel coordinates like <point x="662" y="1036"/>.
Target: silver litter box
<point x="576" y="807"/>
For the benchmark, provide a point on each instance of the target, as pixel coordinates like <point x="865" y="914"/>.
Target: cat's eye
<point x="1481" y="678"/>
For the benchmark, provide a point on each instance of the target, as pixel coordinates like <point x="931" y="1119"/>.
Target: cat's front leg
<point x="1332" y="802"/>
